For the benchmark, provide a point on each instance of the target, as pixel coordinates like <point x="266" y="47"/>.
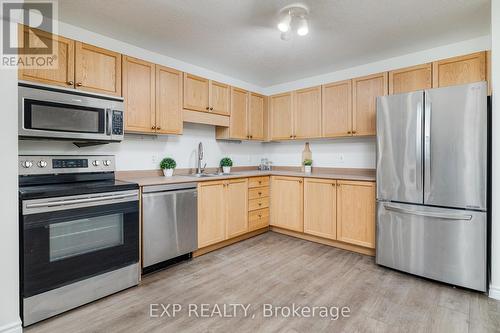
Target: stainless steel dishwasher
<point x="170" y="214"/>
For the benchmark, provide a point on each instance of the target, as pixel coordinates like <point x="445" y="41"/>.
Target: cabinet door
<point x="98" y="70"/>
<point x="237" y="207"/>
<point x="63" y="73"/>
<point x="410" y="79"/>
<point x="256" y="117"/>
<point x="196" y="93"/>
<point x="459" y="70"/>
<point x="337" y="109"/>
<point x="287" y="203"/>
<point x="356" y="213"/>
<point x="307" y="113"/>
<point x="281" y="116"/>
<point x="219" y="98"/>
<point x="211" y="213"/>
<point x="364" y="109"/>
<point x="168" y="100"/>
<point x="139" y="95"/>
<point x="320" y="207"/>
<point x="238" y="119"/>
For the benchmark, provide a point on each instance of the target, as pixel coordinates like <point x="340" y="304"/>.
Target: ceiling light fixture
<point x="293" y="16"/>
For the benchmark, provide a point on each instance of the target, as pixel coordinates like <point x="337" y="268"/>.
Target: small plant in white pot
<point x="168" y="165"/>
<point x="308" y="166"/>
<point x="226" y="163"/>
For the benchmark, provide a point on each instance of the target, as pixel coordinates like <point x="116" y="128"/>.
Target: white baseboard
<point x="494" y="292"/>
<point x="14" y="327"/>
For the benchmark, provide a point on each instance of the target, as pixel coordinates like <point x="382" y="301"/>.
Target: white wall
<point x="9" y="246"/>
<point x="495" y="237"/>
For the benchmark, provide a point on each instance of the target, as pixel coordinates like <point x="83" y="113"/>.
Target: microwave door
<point x="399" y="148"/>
<point x="456" y="147"/>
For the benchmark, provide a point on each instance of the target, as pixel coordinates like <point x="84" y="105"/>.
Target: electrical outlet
<point x="341" y="158"/>
<point x="154" y="160"/>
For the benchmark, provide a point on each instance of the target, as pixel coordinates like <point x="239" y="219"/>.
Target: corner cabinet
<point x="365" y="91"/>
<point x="287" y="200"/>
<point x="356" y="213"/>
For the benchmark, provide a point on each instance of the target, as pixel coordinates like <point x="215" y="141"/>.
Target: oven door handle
<point x="69" y="202"/>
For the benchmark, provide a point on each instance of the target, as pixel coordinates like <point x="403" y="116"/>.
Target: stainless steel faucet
<point x="199" y="169"/>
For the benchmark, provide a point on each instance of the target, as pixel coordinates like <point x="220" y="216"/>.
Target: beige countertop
<point x="155" y="177"/>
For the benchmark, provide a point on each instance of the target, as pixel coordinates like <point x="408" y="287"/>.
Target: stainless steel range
<point x="79" y="233"/>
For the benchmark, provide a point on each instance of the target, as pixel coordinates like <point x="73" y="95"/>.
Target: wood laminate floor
<point x="281" y="270"/>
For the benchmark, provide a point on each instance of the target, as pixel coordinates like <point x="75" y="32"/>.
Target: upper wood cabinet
<point x="238" y="122"/>
<point x="256" y="116"/>
<point x="196" y="93"/>
<point x="168" y="100"/>
<point x="410" y="79"/>
<point x="64" y="72"/>
<point x="219" y="100"/>
<point x="320" y="207"/>
<point x="337" y="109"/>
<point x="98" y="70"/>
<point x="212" y="213"/>
<point x="287" y="203"/>
<point x="356" y="213"/>
<point x="459" y="70"/>
<point x="281" y="116"/>
<point x="139" y="94"/>
<point x="307" y="113"/>
<point x="237" y="207"/>
<point x="365" y="91"/>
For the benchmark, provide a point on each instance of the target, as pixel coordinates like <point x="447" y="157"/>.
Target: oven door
<point x="65" y="240"/>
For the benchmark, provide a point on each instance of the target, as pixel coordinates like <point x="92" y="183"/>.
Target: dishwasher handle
<point x="169" y="187"/>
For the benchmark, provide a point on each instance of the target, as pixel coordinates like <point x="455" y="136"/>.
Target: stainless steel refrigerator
<point x="432" y="184"/>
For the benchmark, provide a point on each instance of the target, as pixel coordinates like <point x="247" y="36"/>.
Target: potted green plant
<point x="308" y="166"/>
<point x="226" y="163"/>
<point x="168" y="165"/>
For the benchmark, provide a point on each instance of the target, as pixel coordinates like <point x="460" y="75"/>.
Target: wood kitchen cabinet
<point x="201" y="94"/>
<point x="212" y="213"/>
<point x="410" y="79"/>
<point x="168" y="109"/>
<point x="238" y="122"/>
<point x="98" y="70"/>
<point x="356" y="213"/>
<point x="63" y="73"/>
<point x="365" y="91"/>
<point x="320" y="207"/>
<point x="281" y="116"/>
<point x="219" y="98"/>
<point x="337" y="109"/>
<point x="459" y="70"/>
<point x="287" y="203"/>
<point x="236" y="198"/>
<point x="307" y="113"/>
<point x="139" y="94"/>
<point x="256" y="116"/>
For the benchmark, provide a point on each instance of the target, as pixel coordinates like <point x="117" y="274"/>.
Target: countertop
<point x="154" y="177"/>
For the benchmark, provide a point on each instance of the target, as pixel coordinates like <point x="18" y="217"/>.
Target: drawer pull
<point x="260" y="193"/>
<point x="260" y="203"/>
<point x="260" y="216"/>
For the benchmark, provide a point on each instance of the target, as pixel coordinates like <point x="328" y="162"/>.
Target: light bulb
<point x="303" y="28"/>
<point x="284" y="24"/>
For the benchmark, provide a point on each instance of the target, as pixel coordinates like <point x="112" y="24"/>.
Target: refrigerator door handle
<point x="460" y="217"/>
<point x="418" y="146"/>
<point x="427" y="146"/>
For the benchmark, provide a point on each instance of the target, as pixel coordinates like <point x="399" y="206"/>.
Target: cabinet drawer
<point x="258" y="182"/>
<point x="258" y="203"/>
<point x="258" y="219"/>
<point x="258" y="192"/>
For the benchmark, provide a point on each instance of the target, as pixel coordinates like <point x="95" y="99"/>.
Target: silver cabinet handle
<point x="78" y="201"/>
<point x="461" y="217"/>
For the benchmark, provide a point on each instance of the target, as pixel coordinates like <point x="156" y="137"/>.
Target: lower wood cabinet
<point x="356" y="213"/>
<point x="222" y="210"/>
<point x="258" y="203"/>
<point x="287" y="206"/>
<point x="320" y="207"/>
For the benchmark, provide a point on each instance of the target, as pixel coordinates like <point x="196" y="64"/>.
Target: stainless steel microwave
<point x="66" y="114"/>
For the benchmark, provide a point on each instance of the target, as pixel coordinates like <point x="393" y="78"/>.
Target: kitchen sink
<point x="205" y="175"/>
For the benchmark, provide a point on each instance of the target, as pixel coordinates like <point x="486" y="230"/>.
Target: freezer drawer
<point x="442" y="244"/>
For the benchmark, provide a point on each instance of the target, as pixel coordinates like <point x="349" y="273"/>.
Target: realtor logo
<point x="33" y="46"/>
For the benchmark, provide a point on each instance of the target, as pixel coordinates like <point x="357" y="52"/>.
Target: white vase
<point x="308" y="168"/>
<point x="168" y="172"/>
<point x="226" y="169"/>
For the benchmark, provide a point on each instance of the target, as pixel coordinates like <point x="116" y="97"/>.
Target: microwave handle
<point x="108" y="121"/>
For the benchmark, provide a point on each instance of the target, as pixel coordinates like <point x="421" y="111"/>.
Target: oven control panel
<point x="38" y="165"/>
